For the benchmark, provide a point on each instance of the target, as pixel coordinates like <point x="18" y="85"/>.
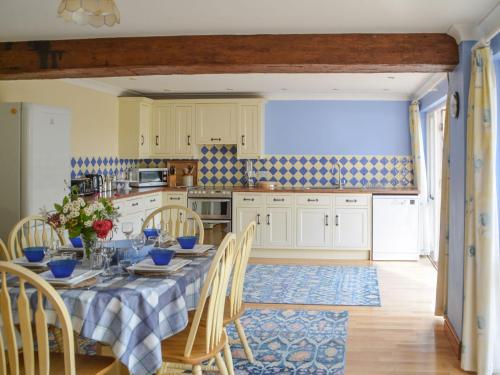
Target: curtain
<point x="420" y="176"/>
<point x="442" y="278"/>
<point x="481" y="320"/>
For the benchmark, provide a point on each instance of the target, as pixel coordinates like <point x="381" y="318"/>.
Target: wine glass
<point x="138" y="243"/>
<point x="53" y="249"/>
<point x="127" y="229"/>
<point x="108" y="250"/>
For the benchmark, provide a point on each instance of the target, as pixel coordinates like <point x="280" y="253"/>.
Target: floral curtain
<point x="481" y="320"/>
<point x="442" y="279"/>
<point x="420" y="176"/>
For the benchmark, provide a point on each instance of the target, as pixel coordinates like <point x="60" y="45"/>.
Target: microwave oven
<point x="148" y="177"/>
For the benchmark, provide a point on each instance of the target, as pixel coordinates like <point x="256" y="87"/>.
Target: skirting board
<point x="452" y="337"/>
<point x="311" y="254"/>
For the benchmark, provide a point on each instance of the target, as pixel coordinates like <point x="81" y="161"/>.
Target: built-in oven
<point x="148" y="177"/>
<point x="215" y="210"/>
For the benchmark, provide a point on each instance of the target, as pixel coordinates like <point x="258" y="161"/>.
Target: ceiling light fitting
<point x="89" y="12"/>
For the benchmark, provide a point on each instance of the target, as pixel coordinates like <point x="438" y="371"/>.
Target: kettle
<point x="97" y="181"/>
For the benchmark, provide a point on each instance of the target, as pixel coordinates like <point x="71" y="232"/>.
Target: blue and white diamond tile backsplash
<point x="105" y="165"/>
<point x="219" y="165"/>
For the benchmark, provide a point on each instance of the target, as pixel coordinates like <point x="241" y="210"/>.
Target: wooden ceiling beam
<point x="206" y="54"/>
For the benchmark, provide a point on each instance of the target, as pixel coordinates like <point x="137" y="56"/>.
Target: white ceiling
<point x="36" y="19"/>
<point x="394" y="86"/>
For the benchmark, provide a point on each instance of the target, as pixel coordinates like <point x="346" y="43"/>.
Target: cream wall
<point x="94" y="129"/>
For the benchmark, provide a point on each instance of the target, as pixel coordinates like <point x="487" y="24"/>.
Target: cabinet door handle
<point x="258" y="219"/>
<point x="279" y="199"/>
<point x="312" y="200"/>
<point x="142" y="140"/>
<point x="268" y="219"/>
<point x="248" y="199"/>
<point x="326" y="220"/>
<point x="175" y="199"/>
<point x="351" y="200"/>
<point x="216" y="139"/>
<point x="189" y="140"/>
<point x="336" y="220"/>
<point x="152" y="200"/>
<point x="195" y="206"/>
<point x="243" y="140"/>
<point x="135" y="204"/>
<point x="157" y="140"/>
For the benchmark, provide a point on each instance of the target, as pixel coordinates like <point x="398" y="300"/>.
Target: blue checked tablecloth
<point x="132" y="314"/>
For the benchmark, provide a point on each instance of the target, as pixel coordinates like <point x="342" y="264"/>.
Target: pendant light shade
<point x="89" y="12"/>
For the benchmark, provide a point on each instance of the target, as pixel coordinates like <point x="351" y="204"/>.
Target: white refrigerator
<point x="395" y="227"/>
<point x="35" y="154"/>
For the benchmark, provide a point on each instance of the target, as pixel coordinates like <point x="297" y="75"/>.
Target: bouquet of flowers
<point x="88" y="219"/>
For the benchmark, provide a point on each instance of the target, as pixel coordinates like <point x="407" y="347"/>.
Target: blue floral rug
<point x="293" y="342"/>
<point x="312" y="285"/>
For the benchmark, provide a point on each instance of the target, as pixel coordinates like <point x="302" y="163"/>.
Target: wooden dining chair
<point x="205" y="337"/>
<point x="235" y="307"/>
<point x="31" y="231"/>
<point x="176" y="221"/>
<point x="40" y="361"/>
<point x="4" y="253"/>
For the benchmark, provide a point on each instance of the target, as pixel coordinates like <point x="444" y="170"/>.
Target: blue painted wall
<point x="315" y="127"/>
<point x="458" y="81"/>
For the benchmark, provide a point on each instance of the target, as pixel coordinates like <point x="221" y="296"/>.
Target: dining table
<point x="132" y="314"/>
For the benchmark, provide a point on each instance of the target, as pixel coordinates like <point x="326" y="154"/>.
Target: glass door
<point x="434" y="157"/>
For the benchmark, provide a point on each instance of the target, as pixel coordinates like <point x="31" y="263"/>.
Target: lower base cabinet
<point x="314" y="228"/>
<point x="305" y="221"/>
<point x="351" y="228"/>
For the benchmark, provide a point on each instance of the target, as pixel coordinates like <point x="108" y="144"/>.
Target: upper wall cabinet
<point x="135" y="116"/>
<point x="216" y="123"/>
<point x="250" y="131"/>
<point x="175" y="128"/>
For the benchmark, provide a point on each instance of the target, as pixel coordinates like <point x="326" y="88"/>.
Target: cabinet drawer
<point x="152" y="201"/>
<point x="314" y="200"/>
<point x="134" y="205"/>
<point x="352" y="200"/>
<point x="249" y="200"/>
<point x="176" y="198"/>
<point x="120" y="205"/>
<point x="279" y="200"/>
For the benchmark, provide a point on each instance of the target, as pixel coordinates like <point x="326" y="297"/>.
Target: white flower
<point x="63" y="219"/>
<point x="88" y="223"/>
<point x="81" y="202"/>
<point x="66" y="208"/>
<point x="88" y="210"/>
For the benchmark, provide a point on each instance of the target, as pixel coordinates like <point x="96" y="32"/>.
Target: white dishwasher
<point x="395" y="227"/>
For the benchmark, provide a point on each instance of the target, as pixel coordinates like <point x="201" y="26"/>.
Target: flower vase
<point x="90" y="253"/>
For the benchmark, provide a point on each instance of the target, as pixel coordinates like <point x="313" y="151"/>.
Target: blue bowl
<point x="35" y="254"/>
<point x="161" y="257"/>
<point x="62" y="267"/>
<point x="76" y="242"/>
<point x="187" y="242"/>
<point x="151" y="232"/>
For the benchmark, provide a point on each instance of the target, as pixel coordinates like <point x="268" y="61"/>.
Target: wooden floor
<point x="403" y="336"/>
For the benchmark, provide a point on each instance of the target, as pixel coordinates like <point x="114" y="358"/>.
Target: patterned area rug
<point x="292" y="342"/>
<point x="312" y="285"/>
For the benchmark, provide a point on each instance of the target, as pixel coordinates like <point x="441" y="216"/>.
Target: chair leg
<point x="244" y="342"/>
<point x="197" y="370"/>
<point x="221" y="364"/>
<point x="228" y="358"/>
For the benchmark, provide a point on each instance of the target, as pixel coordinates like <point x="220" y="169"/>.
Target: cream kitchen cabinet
<point x="352" y="222"/>
<point x="183" y="124"/>
<point x="216" y="122"/>
<point x="250" y="130"/>
<point x="178" y="198"/>
<point x="278" y="232"/>
<point x="244" y="216"/>
<point x="314" y="227"/>
<point x="135" y="123"/>
<point x="162" y="133"/>
<point x="135" y="210"/>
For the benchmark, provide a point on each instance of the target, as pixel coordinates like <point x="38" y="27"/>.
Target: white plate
<point x="23" y="261"/>
<point x="198" y="249"/>
<point x="79" y="275"/>
<point x="147" y="265"/>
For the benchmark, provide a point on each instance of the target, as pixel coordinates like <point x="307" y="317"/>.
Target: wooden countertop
<point x="375" y="191"/>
